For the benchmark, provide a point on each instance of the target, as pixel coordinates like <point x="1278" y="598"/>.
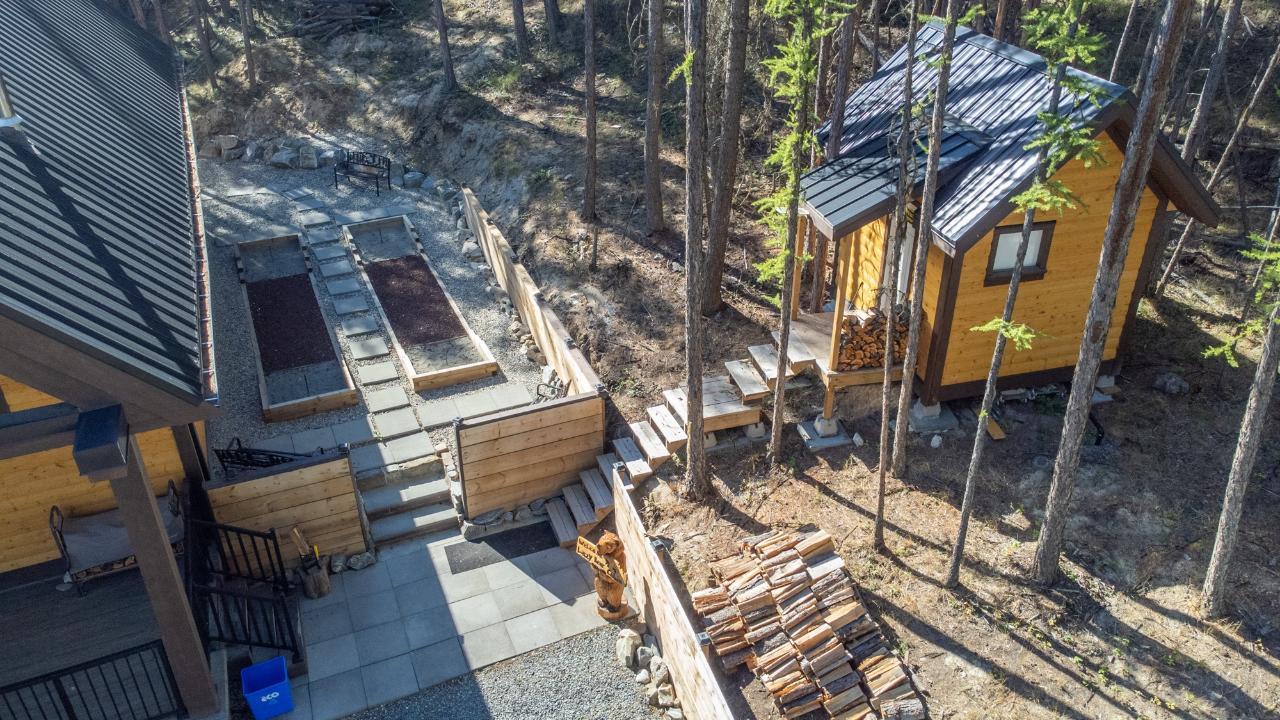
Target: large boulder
<point x="413" y="179"/>
<point x="284" y="158"/>
<point x="252" y="151"/>
<point x="1171" y="384"/>
<point x="210" y="149"/>
<point x="307" y="158"/>
<point x="226" y="142"/>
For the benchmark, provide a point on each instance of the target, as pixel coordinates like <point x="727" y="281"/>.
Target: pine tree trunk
<point x="726" y="162"/>
<point x="1145" y="66"/>
<point x="999" y="30"/>
<point x="1213" y="596"/>
<point x="206" y="49"/>
<point x="552" y="11"/>
<point x="521" y="31"/>
<point x="997" y="356"/>
<point x="139" y="14"/>
<point x="1217" y="66"/>
<point x="1125" y="36"/>
<point x="162" y="25"/>
<point x="589" y="111"/>
<point x="1115" y="249"/>
<point x="1273" y="224"/>
<point x="442" y="27"/>
<point x="697" y="484"/>
<point x="924" y="238"/>
<point x="844" y="68"/>
<point x="1178" y="107"/>
<point x="654" y="220"/>
<point x="898" y="232"/>
<point x="1027" y="6"/>
<point x="1260" y="89"/>
<point x="246" y="29"/>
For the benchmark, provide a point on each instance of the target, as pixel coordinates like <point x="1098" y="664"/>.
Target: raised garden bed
<point x="428" y="332"/>
<point x="300" y="369"/>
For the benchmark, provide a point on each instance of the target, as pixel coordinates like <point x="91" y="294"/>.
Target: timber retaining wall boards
<point x="509" y="458"/>
<point x="318" y="497"/>
<point x="697" y="687"/>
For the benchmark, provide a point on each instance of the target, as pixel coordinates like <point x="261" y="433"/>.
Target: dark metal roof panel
<point x="96" y="229"/>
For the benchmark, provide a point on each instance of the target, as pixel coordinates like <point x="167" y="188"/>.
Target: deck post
<point x="797" y="248"/>
<point x="837" y="320"/>
<point x="165" y="589"/>
<point x="817" y="289"/>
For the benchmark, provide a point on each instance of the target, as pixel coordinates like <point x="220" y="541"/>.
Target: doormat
<point x="507" y="545"/>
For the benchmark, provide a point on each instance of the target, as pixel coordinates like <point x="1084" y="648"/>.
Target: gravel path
<point x="574" y="679"/>
<point x="239" y="204"/>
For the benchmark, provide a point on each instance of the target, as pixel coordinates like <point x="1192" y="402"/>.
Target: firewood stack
<point x="324" y="19"/>
<point x="786" y="608"/>
<point x="862" y="338"/>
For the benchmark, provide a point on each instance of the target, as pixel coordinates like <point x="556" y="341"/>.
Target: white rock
<point x="826" y="427"/>
<point x="471" y="251"/>
<point x="666" y="695"/>
<point x="625" y="648"/>
<point x="642" y="677"/>
<point x="659" y="671"/>
<point x="935" y="442"/>
<point x="644" y="654"/>
<point x="858" y="441"/>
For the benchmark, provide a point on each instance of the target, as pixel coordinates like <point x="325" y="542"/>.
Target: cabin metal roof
<point x="862" y="184"/>
<point x="98" y="249"/>
<point x="998" y="89"/>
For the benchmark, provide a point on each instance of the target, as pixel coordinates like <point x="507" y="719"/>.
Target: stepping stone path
<point x="398" y="471"/>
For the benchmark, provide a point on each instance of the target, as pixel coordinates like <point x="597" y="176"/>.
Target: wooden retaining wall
<point x="319" y="497"/>
<point x="508" y="458"/>
<point x="658" y="604"/>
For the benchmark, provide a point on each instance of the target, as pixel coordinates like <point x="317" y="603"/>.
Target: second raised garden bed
<point x="300" y="369"/>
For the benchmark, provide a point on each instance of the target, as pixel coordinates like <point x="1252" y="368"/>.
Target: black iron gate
<point x="133" y="684"/>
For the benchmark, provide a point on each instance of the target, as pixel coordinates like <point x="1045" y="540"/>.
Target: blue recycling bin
<point x="266" y="688"/>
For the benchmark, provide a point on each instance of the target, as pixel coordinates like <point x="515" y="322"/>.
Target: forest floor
<point x="1118" y="636"/>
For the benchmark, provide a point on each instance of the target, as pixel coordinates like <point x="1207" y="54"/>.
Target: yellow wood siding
<point x="31" y="484"/>
<point x="932" y="295"/>
<point x="866" y="248"/>
<point x="1055" y="305"/>
<point x="18" y="397"/>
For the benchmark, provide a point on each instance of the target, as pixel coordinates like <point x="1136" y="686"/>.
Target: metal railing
<point x="133" y="684"/>
<point x="236" y="553"/>
<point x="235" y="458"/>
<point x="243" y="618"/>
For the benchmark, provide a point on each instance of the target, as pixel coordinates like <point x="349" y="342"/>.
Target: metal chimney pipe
<point x="8" y="118"/>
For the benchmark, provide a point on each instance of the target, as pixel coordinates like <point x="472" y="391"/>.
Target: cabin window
<point x="1004" y="252"/>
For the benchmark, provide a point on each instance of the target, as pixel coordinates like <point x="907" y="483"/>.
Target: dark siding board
<point x="96" y="235"/>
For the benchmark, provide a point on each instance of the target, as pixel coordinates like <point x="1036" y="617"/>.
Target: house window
<point x="1004" y="252"/>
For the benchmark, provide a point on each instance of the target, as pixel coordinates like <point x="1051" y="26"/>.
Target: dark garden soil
<point x="290" y="329"/>
<point x="416" y="306"/>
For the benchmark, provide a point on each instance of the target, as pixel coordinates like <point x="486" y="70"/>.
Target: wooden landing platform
<point x="813" y="330"/>
<point x="723" y="407"/>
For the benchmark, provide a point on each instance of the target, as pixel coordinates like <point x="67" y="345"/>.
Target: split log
<point x="910" y="709"/>
<point x="802" y="705"/>
<point x="815" y="543"/>
<point x="862" y="338"/>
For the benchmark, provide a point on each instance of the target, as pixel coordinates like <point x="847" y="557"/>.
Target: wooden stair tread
<point x="765" y="358"/>
<point x="566" y="531"/>
<point x="750" y="385"/>
<point x="800" y="357"/>
<point x="722" y="408"/>
<point x="584" y="513"/>
<point x="598" y="490"/>
<point x="672" y="432"/>
<point x="606" y="462"/>
<point x="627" y="451"/>
<point x="654" y="449"/>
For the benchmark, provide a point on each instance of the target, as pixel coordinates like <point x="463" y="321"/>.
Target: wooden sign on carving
<point x="588" y="551"/>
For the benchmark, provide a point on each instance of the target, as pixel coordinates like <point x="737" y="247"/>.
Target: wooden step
<point x="668" y="427"/>
<point x="605" y="463"/>
<point x="722" y="408"/>
<point x="562" y="523"/>
<point x="765" y="358"/>
<point x="799" y="356"/>
<point x="598" y="490"/>
<point x="627" y="451"/>
<point x="654" y="449"/>
<point x="584" y="513"/>
<point x="744" y="375"/>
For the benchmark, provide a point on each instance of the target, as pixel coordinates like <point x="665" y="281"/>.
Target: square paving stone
<point x="312" y="218"/>
<point x="308" y="440"/>
<point x="301" y="700"/>
<point x="343" y="286"/>
<point x="410" y="567"/>
<point x="369" y="581"/>
<point x="396" y="423"/>
<point x="359" y="326"/>
<point x="376" y="373"/>
<point x="380" y="642"/>
<point x="487" y="646"/>
<point x="369" y="457"/>
<point x="510" y="395"/>
<point x="532" y="631"/>
<point x="479" y="403"/>
<point x="322" y="235"/>
<point x="386" y="399"/>
<point x="297" y="193"/>
<point x="371" y="348"/>
<point x="520" y="599"/>
<point x="389" y="680"/>
<point x="475" y="612"/>
<point x="326" y="623"/>
<point x="429" y="627"/>
<point x="309" y="203"/>
<point x="411" y="447"/>
<point x="353" y="431"/>
<point x="346" y="306"/>
<point x="338" y="696"/>
<point x="464" y="585"/>
<point x="439" y="411"/>
<point x="576" y="616"/>
<point x="330" y="657"/>
<point x="334" y="269"/>
<point x="373" y="609"/>
<point x="436" y="663"/>
<point x="419" y="595"/>
<point x="329" y="252"/>
<point x="562" y="585"/>
<point x="281" y="443"/>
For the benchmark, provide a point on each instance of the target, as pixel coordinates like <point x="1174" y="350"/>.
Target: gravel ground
<point x="574" y="679"/>
<point x="239" y="204"/>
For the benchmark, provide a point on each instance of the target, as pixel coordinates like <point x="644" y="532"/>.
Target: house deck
<point x="46" y="629"/>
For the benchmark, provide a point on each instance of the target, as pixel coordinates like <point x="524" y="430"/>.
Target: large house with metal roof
<point x="106" y="366"/>
<point x="996" y="91"/>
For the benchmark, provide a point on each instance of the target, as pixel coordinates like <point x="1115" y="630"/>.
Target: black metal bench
<point x="364" y="166"/>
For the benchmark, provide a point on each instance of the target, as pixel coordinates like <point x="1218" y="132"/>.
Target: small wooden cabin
<point x="996" y="91"/>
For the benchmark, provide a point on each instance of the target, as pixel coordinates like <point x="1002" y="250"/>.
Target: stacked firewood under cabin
<point x="786" y="608"/>
<point x="862" y="338"/>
